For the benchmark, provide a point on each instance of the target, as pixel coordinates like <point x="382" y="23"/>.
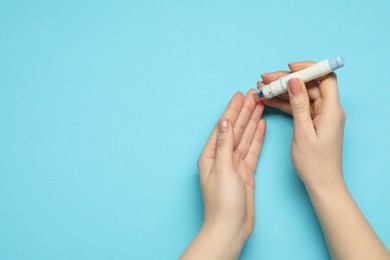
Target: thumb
<point x="225" y="143"/>
<point x="300" y="106"/>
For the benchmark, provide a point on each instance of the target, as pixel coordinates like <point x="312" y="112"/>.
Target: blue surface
<point x="106" y="105"/>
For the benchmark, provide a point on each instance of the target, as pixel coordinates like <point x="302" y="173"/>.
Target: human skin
<point x="228" y="162"/>
<point x="316" y="152"/>
<point x="226" y="171"/>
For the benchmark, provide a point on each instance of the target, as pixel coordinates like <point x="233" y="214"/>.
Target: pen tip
<point x="258" y="96"/>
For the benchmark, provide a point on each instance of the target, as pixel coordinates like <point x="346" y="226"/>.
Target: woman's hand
<point x="319" y="120"/>
<point x="226" y="170"/>
<point x="316" y="153"/>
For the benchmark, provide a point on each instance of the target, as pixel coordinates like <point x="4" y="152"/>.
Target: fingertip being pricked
<point x="251" y="92"/>
<point x="249" y="96"/>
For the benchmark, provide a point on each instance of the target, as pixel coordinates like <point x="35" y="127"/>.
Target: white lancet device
<point x="315" y="71"/>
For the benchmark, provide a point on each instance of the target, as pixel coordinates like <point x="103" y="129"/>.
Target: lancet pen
<point x="317" y="70"/>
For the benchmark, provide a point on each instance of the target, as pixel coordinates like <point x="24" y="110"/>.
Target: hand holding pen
<point x="316" y="152"/>
<point x="318" y="123"/>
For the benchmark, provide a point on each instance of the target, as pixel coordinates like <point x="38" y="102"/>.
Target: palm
<point x="316" y="108"/>
<point x="245" y="171"/>
<point x="244" y="115"/>
<point x="248" y="179"/>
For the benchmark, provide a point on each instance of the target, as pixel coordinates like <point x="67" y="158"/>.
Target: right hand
<point x="319" y="121"/>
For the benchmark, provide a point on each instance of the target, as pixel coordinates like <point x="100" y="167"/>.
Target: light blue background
<point x="106" y="105"/>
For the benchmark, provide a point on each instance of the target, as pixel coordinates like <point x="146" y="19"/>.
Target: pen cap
<point x="336" y="62"/>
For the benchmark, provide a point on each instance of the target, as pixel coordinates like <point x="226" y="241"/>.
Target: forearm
<point x="347" y="232"/>
<point x="215" y="242"/>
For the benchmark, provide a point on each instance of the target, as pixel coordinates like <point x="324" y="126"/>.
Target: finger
<point x="269" y="77"/>
<point x="253" y="154"/>
<point x="300" y="107"/>
<point x="329" y="89"/>
<point x="224" y="147"/>
<point x="297" y="66"/>
<point x="260" y="84"/>
<point x="243" y="117"/>
<point x="328" y="83"/>
<point x="231" y="113"/>
<point x="207" y="156"/>
<point x="284" y="96"/>
<point x="281" y="104"/>
<point x="312" y="86"/>
<point x="313" y="90"/>
<point x="247" y="137"/>
<point x="234" y="107"/>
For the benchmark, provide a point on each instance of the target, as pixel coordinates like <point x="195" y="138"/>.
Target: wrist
<point x="326" y="191"/>
<point x="324" y="180"/>
<point x="226" y="240"/>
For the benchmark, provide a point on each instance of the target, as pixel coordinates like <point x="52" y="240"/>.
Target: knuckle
<point x="247" y="109"/>
<point x="254" y="154"/>
<point x="239" y="130"/>
<point x="221" y="142"/>
<point x="254" y="120"/>
<point x="340" y="116"/>
<point x="245" y="141"/>
<point x="301" y="107"/>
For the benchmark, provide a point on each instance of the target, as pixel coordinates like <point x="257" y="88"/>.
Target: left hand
<point x="226" y="170"/>
<point x="227" y="165"/>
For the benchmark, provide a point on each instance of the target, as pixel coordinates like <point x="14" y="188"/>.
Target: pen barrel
<point x="279" y="86"/>
<point x="313" y="72"/>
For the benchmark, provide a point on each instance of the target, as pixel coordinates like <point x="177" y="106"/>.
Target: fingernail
<point x="291" y="63"/>
<point x="294" y="85"/>
<point x="223" y="125"/>
<point x="265" y="74"/>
